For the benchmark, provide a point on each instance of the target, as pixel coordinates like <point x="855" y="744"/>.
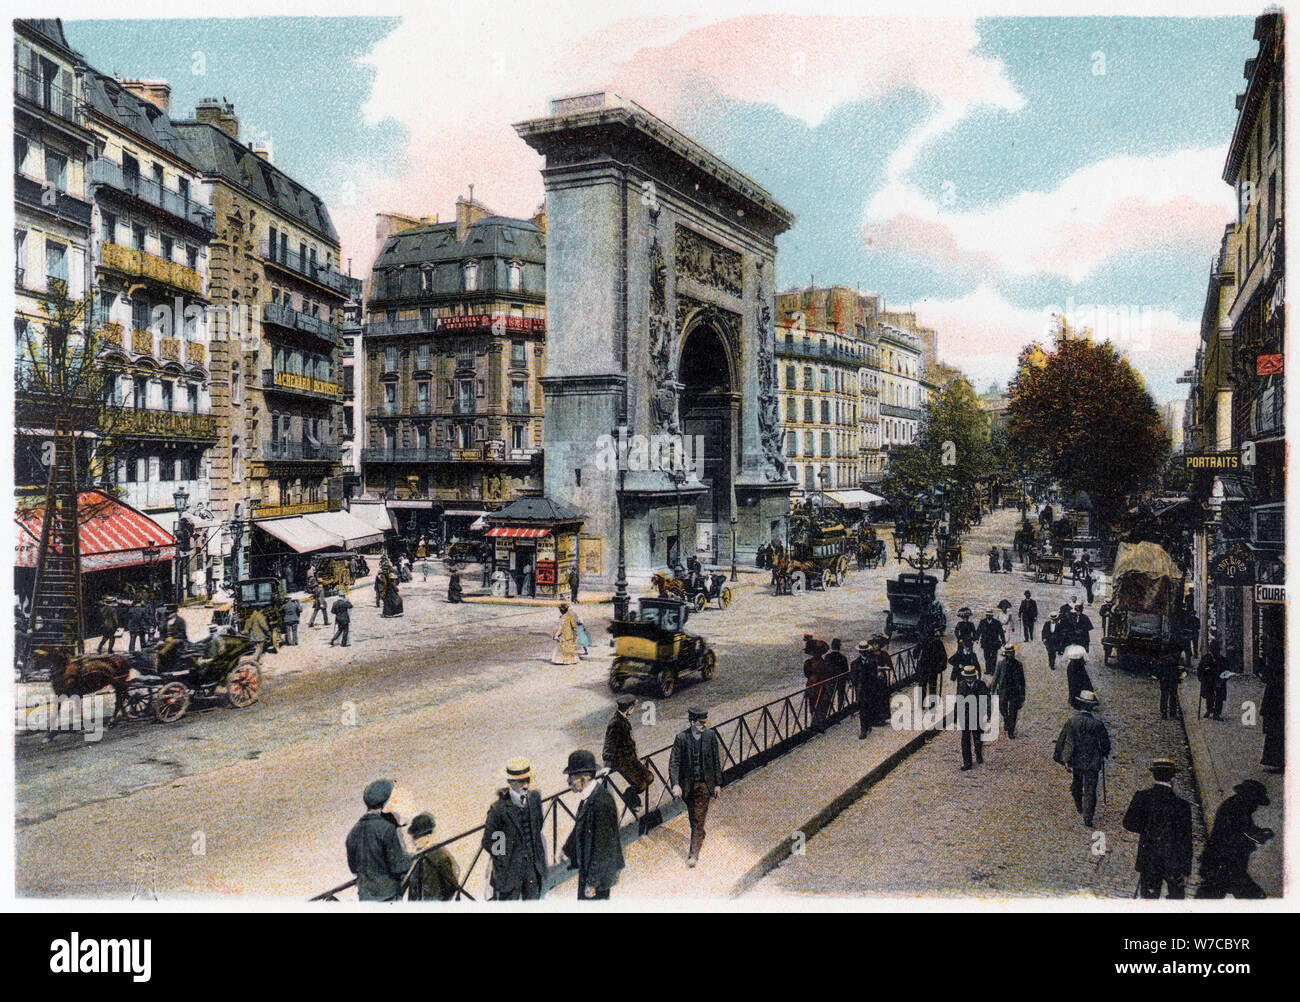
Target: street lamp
<point x="679" y="478"/>
<point x="182" y="499"/>
<point x="620" y="581"/>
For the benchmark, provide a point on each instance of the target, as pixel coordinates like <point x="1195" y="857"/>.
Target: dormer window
<point x="516" y="276"/>
<point x="471" y="276"/>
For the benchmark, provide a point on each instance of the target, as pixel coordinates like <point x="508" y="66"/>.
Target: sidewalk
<point x="1226" y="752"/>
<point x="764" y="816"/>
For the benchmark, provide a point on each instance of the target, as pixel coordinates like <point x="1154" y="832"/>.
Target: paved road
<point x="1007" y="827"/>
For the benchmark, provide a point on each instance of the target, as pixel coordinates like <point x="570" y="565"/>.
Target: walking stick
<point x="1103" y="781"/>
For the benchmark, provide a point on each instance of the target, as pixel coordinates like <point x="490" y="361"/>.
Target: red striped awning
<point x="111" y="534"/>
<point x="510" y="532"/>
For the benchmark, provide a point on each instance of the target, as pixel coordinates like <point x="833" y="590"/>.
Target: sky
<point x="983" y="172"/>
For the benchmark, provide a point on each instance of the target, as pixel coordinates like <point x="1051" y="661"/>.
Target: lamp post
<point x="620" y="581"/>
<point x="679" y="478"/>
<point x="150" y="555"/>
<point x="182" y="499"/>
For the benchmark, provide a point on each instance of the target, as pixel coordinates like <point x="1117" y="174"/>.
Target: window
<point x="422" y="396"/>
<point x="20" y="152"/>
<point x="20" y="255"/>
<point x="106" y="302"/>
<point x="390" y="398"/>
<point x="56" y="262"/>
<point x="183" y="186"/>
<point x="140" y="314"/>
<point x="185" y="467"/>
<point x="192" y="393"/>
<point x="284" y="247"/>
<point x="422" y="358"/>
<point x="56" y="170"/>
<point x="168" y="248"/>
<point x="517" y="440"/>
<point x="465" y="401"/>
<point x="236" y="460"/>
<point x="789" y="377"/>
<point x="270" y="243"/>
<point x="390" y="358"/>
<point x="516" y="276"/>
<point x="808" y="411"/>
<point x="140" y="393"/>
<point x="236" y="388"/>
<point x="471" y="276"/>
<point x="826" y="380"/>
<point x="826" y="412"/>
<point x="167" y="395"/>
<point x="108" y="227"/>
<point x="137" y="236"/>
<point x="426" y="318"/>
<point x="518" y="354"/>
<point x="791" y="409"/>
<point x="426" y="280"/>
<point x="158" y="176"/>
<point x="808" y="378"/>
<point x="421" y="437"/>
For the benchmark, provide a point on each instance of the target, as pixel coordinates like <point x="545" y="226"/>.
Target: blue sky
<point x="979" y="172"/>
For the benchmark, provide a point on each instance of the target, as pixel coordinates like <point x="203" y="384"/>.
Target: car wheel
<point x="708" y="664"/>
<point x="667" y="683"/>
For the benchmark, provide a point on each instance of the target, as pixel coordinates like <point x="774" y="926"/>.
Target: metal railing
<point x="181" y="206"/>
<point x="317" y="271"/>
<point x="299" y="450"/>
<point x="287" y="316"/>
<point x="748" y="740"/>
<point x="45" y="93"/>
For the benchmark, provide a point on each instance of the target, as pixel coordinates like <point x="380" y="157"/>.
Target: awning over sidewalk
<point x="513" y="532"/>
<point x="855" y="499"/>
<point x="110" y="535"/>
<point x="351" y="531"/>
<point x="299" y="534"/>
<point x="377" y="516"/>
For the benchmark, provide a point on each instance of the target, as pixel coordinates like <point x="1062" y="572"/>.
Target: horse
<point x="669" y="587"/>
<point x="87" y="674"/>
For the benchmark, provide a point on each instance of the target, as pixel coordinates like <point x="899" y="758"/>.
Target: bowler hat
<point x="581" y="761"/>
<point x="626" y="702"/>
<point x="1163" y="767"/>
<point x="697" y="713"/>
<point x="421" y="824"/>
<point x="377" y="793"/>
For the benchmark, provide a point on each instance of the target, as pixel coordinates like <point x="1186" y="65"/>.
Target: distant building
<point x="902" y="394"/>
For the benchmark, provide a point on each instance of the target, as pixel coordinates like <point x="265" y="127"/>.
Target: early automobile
<point x="221" y="665"/>
<point x="913" y="609"/>
<point x="655" y="646"/>
<point x="266" y="594"/>
<point x="708" y="586"/>
<point x="1047" y="567"/>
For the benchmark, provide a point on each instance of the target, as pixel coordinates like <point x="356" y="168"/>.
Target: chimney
<point x="263" y="150"/>
<point x="468" y="212"/>
<point x="219" y="113"/>
<point x="539" y="218"/>
<point x="156" y="92"/>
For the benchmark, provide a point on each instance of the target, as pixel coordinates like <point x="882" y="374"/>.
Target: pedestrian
<point x="931" y="656"/>
<point x="1083" y="746"/>
<point x="1104" y="612"/>
<point x="995" y="564"/>
<point x="1272" y="717"/>
<point x="422" y="551"/>
<point x="1052" y="638"/>
<point x="566" y="638"/>
<point x="1006" y="619"/>
<point x="392" y="597"/>
<point x="573" y="585"/>
<point x="863" y="669"/>
<point x="1082" y="627"/>
<point x="695" y="774"/>
<point x="512" y="837"/>
<point x="1169" y="673"/>
<point x="816" y="692"/>
<point x="137" y="624"/>
<point x="290" y="613"/>
<point x="1213" y="673"/>
<point x="837" y="668"/>
<point x="964" y="631"/>
<point x="529" y="587"/>
<point x="1067" y="624"/>
<point x="258" y="631"/>
<point x="1076" y="671"/>
<point x="1162" y="821"/>
<point x="1007" y="566"/>
<point x="1009" y="686"/>
<point x="379" y="582"/>
<point x="376" y="853"/>
<point x="992" y="638"/>
<point x="434" y="876"/>
<point x="971" y="709"/>
<point x="962" y="657"/>
<point x="1088" y="582"/>
<point x="593" y="847"/>
<point x="454" y="590"/>
<point x="108" y="615"/>
<point x="318" y="604"/>
<point x="884" y="671"/>
<point x="342" y="610"/>
<point x="1226" y="860"/>
<point x="1193" y="634"/>
<point x="619" y="753"/>
<point x="1028" y="612"/>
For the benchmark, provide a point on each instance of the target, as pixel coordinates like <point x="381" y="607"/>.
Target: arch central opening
<point x="710" y="416"/>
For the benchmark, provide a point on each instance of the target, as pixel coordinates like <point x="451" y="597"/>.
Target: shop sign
<point x="1212" y="460"/>
<point x="1234" y="568"/>
<point x="1270" y="594"/>
<point x="1268" y="365"/>
<point x="546" y="572"/>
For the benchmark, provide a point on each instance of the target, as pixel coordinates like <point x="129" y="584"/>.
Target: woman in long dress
<point x="392" y="598"/>
<point x="566" y="638"/>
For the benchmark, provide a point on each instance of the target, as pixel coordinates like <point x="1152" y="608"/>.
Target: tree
<point x="1083" y="414"/>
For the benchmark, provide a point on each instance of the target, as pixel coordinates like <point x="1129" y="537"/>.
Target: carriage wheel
<point x="842" y="568"/>
<point x="170" y="702"/>
<point x="798" y="583"/>
<point x="667" y="683"/>
<point x="701" y="600"/>
<point x="708" y="664"/>
<point x="244" y="684"/>
<point x="136" y="702"/>
<point x="615" y="682"/>
<point x="724" y="598"/>
<point x="826" y="579"/>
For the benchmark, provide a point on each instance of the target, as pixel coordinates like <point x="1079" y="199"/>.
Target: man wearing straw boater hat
<point x="971" y="711"/>
<point x="864" y="675"/>
<point x="1163" y="822"/>
<point x="593" y="847"/>
<point x="512" y="837"/>
<point x="1083" y="747"/>
<point x="695" y="774"/>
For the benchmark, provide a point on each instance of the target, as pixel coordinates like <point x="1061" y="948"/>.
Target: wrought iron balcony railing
<point x="288" y="317"/>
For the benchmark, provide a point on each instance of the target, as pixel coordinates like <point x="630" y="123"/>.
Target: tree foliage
<point x="1083" y="414"/>
<point x="951" y="450"/>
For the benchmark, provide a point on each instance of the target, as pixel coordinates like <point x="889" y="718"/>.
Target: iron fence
<point x="748" y="740"/>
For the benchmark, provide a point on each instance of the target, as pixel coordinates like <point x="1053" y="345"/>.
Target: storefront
<point x="284" y="546"/>
<point x="535" y="544"/>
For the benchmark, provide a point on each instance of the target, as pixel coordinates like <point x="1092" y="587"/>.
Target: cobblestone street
<point x="1008" y="827"/>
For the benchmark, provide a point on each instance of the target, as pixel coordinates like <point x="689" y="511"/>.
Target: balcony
<point x="301" y="508"/>
<point x="307" y="386"/>
<point x="388" y="328"/>
<point x="142" y="264"/>
<point x="907" y="413"/>
<point x="495" y="323"/>
<point x="169" y="350"/>
<point x="314" y="271"/>
<point x="176" y="205"/>
<point x="155" y="495"/>
<point x="179" y="425"/>
<point x="43" y="93"/>
<point x="30" y="194"/>
<point x="787" y="347"/>
<point x="302" y="451"/>
<point x="487" y="452"/>
<point x="1268" y="415"/>
<point x="295" y="320"/>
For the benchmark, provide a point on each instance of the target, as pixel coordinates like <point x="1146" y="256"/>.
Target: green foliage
<point x="951" y="450"/>
<point x="1083" y="415"/>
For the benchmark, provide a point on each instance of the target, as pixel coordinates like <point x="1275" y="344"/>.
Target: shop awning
<point x="376" y="516"/>
<point x="351" y="531"/>
<point x="461" y="513"/>
<point x="512" y="532"/>
<point x="855" y="499"/>
<point x="110" y="534"/>
<point x="299" y="534"/>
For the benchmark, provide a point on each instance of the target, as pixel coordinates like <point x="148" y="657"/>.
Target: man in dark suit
<point x="695" y="773"/>
<point x="1053" y="639"/>
<point x="342" y="619"/>
<point x="137" y="623"/>
<point x="1028" y="615"/>
<point x="837" y="667"/>
<point x="593" y="847"/>
<point x="1083" y="747"/>
<point x="863" y="674"/>
<point x="1163" y="823"/>
<point x="971" y="711"/>
<point x="992" y="638"/>
<point x="1170" y="674"/>
<point x="619" y="753"/>
<point x="512" y="837"/>
<point x="1009" y="686"/>
<point x="931" y="656"/>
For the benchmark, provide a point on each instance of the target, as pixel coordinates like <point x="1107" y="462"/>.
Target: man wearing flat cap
<point x="512" y="837"/>
<point x="619" y="753"/>
<point x="1083" y="747"/>
<point x="593" y="847"/>
<point x="695" y="774"/>
<point x="1162" y="821"/>
<point x="376" y="853"/>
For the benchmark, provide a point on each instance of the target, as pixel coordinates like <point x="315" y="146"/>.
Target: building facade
<point x="454" y="354"/>
<point x="278" y="297"/>
<point x="902" y="394"/>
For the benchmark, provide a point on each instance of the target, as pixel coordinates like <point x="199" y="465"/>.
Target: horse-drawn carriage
<point x="338" y="570"/>
<point x="913" y="609"/>
<point x="818" y="557"/>
<point x="872" y="553"/>
<point x="221" y="666"/>
<point x="1047" y="567"/>
<point x="655" y="646"/>
<point x="952" y="553"/>
<point x="1145" y="625"/>
<point x="698" y="591"/>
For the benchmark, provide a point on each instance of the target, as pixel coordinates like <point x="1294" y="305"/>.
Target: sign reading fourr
<point x="1270" y="594"/>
